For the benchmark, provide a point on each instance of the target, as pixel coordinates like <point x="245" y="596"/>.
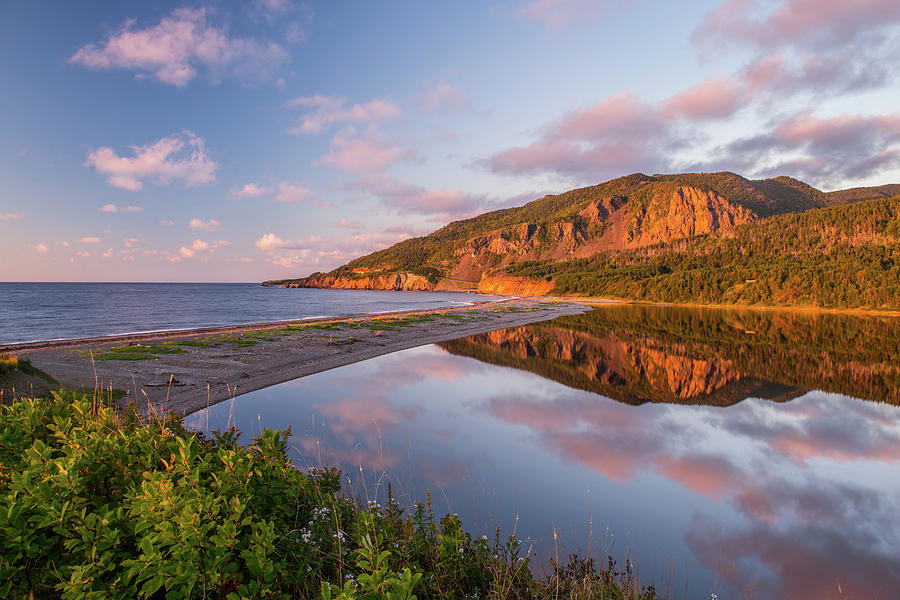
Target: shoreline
<point x="216" y="329"/>
<point x="204" y="366"/>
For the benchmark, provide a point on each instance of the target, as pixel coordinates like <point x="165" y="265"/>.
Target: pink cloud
<point x="443" y="98"/>
<point x="292" y="193"/>
<point x="560" y="13"/>
<point x="211" y="225"/>
<point x="40" y="248"/>
<point x="412" y="198"/>
<point x="180" y="158"/>
<point x="89" y="240"/>
<point x="795" y="22"/>
<point x="712" y="98"/>
<point x="326" y="111"/>
<point x="172" y="50"/>
<point x="252" y="190"/>
<point x="350" y="152"/>
<point x="12" y="216"/>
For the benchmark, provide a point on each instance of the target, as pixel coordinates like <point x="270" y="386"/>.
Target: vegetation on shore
<point x="94" y="503"/>
<point x="847" y="256"/>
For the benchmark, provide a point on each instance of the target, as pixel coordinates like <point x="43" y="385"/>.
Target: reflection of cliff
<point x="653" y="354"/>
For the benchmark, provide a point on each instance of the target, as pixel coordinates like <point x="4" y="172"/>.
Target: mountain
<point x="693" y="237"/>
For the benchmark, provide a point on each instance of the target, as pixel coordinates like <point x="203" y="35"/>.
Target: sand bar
<point x="209" y="365"/>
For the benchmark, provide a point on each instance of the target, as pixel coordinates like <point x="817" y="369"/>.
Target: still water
<point x="746" y="454"/>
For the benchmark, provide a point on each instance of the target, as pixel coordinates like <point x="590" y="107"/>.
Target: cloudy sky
<point x="250" y="140"/>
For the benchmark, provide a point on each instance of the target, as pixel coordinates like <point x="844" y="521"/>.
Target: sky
<point x="243" y="141"/>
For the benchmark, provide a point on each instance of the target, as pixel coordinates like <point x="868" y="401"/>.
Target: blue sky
<point x="244" y="141"/>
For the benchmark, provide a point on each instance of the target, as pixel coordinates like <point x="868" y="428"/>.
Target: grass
<point x="8" y="363"/>
<point x="197" y="344"/>
<point x="137" y="352"/>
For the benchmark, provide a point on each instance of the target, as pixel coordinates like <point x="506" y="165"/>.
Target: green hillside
<point x="842" y="256"/>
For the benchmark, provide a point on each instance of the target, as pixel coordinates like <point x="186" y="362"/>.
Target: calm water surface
<point x="46" y="311"/>
<point x="738" y="453"/>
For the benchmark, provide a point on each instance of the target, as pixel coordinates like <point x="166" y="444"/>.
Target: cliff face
<point x="631" y="213"/>
<point x="390" y="281"/>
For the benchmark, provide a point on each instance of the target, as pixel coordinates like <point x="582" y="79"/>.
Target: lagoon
<point x="741" y="453"/>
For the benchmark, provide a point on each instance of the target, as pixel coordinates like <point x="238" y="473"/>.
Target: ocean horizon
<point x="44" y="311"/>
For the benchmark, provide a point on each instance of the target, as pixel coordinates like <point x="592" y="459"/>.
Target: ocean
<point x="50" y="311"/>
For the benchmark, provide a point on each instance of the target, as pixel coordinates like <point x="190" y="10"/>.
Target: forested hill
<point x="705" y="238"/>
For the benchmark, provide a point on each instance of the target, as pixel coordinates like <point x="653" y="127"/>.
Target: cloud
<point x="174" y="49"/>
<point x="443" y="98"/>
<point x="795" y="22"/>
<point x="624" y="133"/>
<point x="12" y="216"/>
<point x="270" y="241"/>
<point x="824" y="149"/>
<point x="40" y="247"/>
<point x="89" y="240"/>
<point x="325" y="111"/>
<point x="712" y="98"/>
<point x="179" y="157"/>
<point x="112" y="208"/>
<point x="351" y="152"/>
<point x="252" y="190"/>
<point x="616" y="135"/>
<point x="560" y="13"/>
<point x="166" y="222"/>
<point x="196" y="246"/>
<point x="406" y="197"/>
<point x="211" y="225"/>
<point x="292" y="194"/>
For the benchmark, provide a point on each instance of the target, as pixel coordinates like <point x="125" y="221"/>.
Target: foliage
<point x="93" y="504"/>
<point x="845" y="256"/>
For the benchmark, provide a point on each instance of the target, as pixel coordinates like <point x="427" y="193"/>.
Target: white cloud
<point x="198" y="246"/>
<point x="211" y="225"/>
<point x="172" y="51"/>
<point x="178" y="157"/>
<point x="270" y="241"/>
<point x="132" y="209"/>
<point x="325" y="111"/>
<point x="166" y="222"/>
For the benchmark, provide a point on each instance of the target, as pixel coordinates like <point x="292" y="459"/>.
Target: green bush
<point x="96" y="504"/>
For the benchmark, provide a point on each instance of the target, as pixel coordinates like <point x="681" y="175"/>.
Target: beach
<point x="184" y="371"/>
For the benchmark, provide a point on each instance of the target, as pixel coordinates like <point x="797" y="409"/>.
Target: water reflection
<point x="638" y="354"/>
<point x="789" y="499"/>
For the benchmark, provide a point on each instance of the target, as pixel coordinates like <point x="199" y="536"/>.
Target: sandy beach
<point x="185" y="371"/>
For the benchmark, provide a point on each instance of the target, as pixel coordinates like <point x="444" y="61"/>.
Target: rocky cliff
<point x="635" y="213"/>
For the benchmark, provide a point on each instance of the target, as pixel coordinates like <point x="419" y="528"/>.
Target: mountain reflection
<point x="638" y="354"/>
